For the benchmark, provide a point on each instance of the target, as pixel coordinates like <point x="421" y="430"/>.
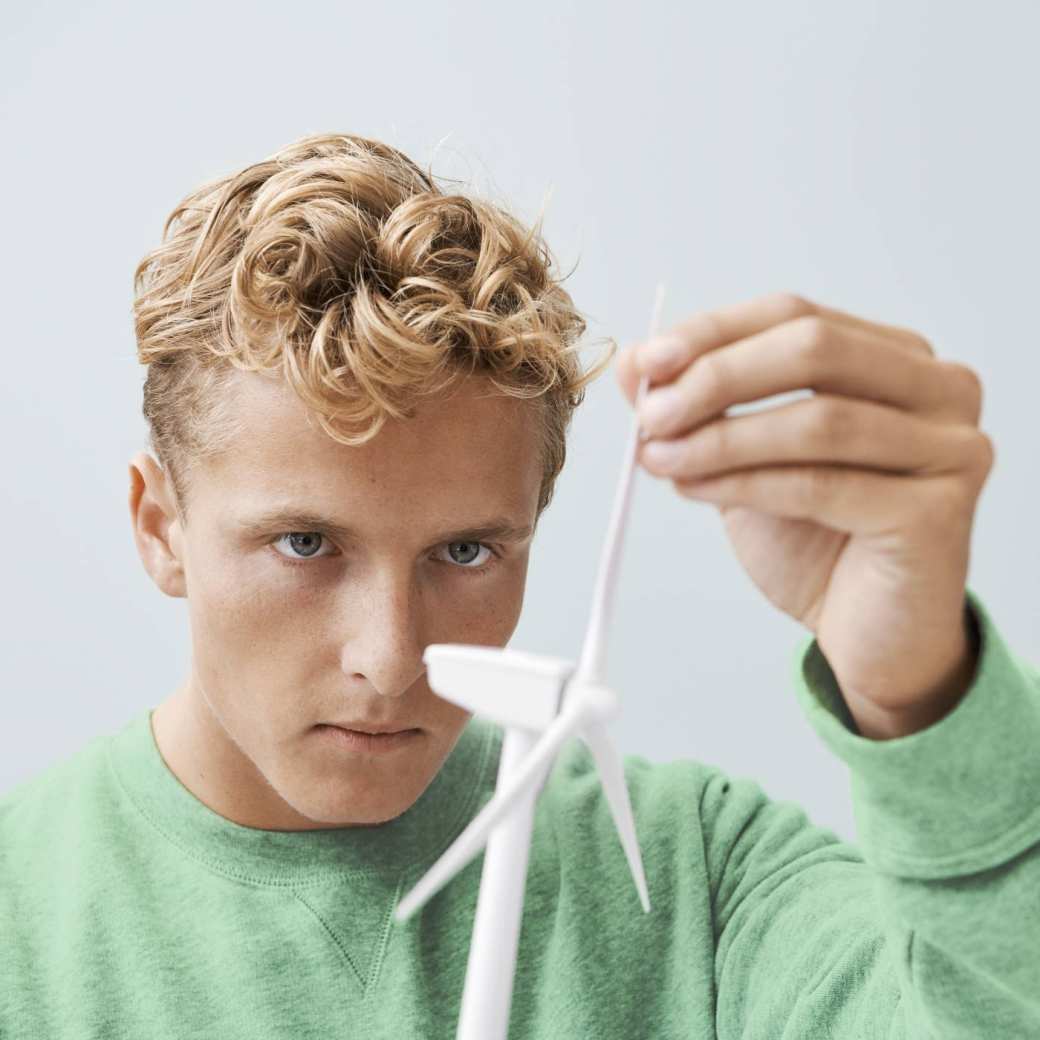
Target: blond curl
<point x="342" y="264"/>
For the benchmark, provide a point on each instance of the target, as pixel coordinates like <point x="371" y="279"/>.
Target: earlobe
<point x="155" y="525"/>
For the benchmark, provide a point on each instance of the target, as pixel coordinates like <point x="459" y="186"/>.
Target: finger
<point x="821" y="357"/>
<point x="709" y="330"/>
<point x="859" y="501"/>
<point x="628" y="376"/>
<point x="906" y="337"/>
<point x="820" y="429"/>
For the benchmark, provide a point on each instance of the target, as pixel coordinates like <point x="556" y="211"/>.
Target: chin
<point x="345" y="809"/>
<point x="369" y="816"/>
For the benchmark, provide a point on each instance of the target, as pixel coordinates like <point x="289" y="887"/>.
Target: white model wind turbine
<point x="529" y="694"/>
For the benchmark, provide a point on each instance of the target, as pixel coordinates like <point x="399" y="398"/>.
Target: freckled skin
<point x="279" y="646"/>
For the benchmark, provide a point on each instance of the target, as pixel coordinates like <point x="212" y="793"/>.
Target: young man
<point x="358" y="392"/>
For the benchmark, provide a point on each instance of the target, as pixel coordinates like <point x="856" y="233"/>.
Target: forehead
<point x="473" y="450"/>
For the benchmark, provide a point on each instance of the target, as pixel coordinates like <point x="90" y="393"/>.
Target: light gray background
<point x="880" y="158"/>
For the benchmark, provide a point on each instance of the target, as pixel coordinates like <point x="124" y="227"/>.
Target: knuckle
<point x="972" y="381"/>
<point x="790" y="305"/>
<point x="983" y="452"/>
<point x="710" y="378"/>
<point x="969" y="387"/>
<point x="921" y="342"/>
<point x="989" y="448"/>
<point x="812" y="336"/>
<point x="700" y="327"/>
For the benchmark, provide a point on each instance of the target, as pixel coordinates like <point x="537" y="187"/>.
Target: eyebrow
<point x="501" y="529"/>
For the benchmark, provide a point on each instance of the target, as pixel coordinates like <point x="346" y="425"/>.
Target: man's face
<point x="295" y="624"/>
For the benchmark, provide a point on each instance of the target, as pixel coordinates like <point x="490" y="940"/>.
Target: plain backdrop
<point x="877" y="157"/>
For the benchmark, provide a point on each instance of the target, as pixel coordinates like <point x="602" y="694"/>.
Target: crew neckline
<point x="292" y="857"/>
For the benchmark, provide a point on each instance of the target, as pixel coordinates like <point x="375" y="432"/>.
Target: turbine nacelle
<point x="513" y="687"/>
<point x="510" y="687"/>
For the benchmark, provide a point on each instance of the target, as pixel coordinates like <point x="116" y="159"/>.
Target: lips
<point x="353" y="741"/>
<point x="372" y="728"/>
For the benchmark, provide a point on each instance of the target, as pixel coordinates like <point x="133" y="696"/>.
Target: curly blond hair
<point x="340" y="262"/>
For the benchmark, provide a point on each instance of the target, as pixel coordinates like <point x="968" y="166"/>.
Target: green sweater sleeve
<point x="939" y="937"/>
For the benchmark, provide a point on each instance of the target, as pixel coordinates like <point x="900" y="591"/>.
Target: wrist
<point x="933" y="704"/>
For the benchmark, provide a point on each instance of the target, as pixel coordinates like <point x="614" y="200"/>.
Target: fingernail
<point x="662" y="351"/>
<point x="659" y="407"/>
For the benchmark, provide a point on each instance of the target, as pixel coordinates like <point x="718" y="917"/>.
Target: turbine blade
<point x="612" y="774"/>
<point x="594" y="650"/>
<point x="475" y="836"/>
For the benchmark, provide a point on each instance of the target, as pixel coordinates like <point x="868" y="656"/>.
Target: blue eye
<point x="304" y="546"/>
<point x="487" y="564"/>
<point x="304" y="542"/>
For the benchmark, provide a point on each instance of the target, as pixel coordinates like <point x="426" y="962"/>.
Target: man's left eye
<point x="304" y="542"/>
<point x="467" y="554"/>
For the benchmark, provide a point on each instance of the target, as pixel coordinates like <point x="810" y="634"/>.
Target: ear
<point x="156" y="526"/>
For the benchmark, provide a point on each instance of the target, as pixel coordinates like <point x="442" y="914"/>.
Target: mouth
<point x="374" y="729"/>
<point x="348" y="738"/>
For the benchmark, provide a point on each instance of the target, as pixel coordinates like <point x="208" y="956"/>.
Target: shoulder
<point x="681" y="807"/>
<point x="54" y="810"/>
<point x="669" y="799"/>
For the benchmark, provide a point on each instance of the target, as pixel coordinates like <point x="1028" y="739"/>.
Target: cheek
<point x="253" y="641"/>
<point x="478" y="610"/>
<point x="249" y="619"/>
<point x="504" y="601"/>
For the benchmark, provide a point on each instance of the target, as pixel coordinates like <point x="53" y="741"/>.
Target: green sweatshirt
<point x="130" y="909"/>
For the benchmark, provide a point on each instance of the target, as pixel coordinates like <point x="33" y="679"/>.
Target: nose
<point x="382" y="647"/>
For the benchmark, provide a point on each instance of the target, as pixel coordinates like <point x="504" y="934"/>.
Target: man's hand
<point x="851" y="509"/>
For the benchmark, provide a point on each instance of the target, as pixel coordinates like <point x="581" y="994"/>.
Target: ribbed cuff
<point x="956" y="797"/>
